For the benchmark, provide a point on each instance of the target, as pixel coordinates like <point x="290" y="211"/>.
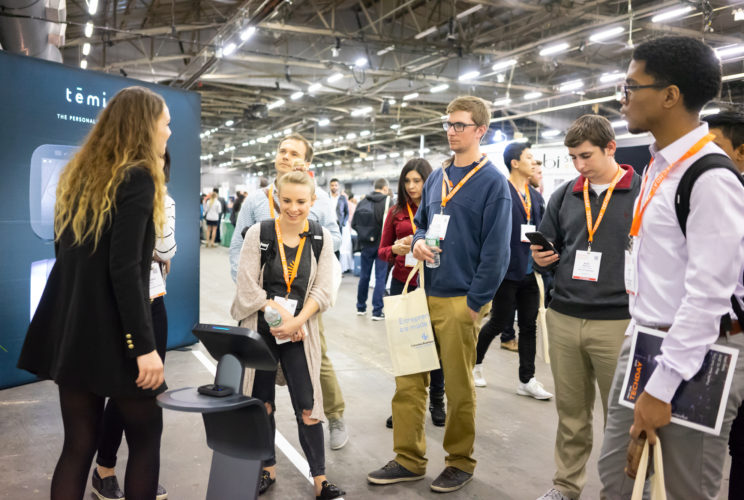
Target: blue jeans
<point x="369" y="257"/>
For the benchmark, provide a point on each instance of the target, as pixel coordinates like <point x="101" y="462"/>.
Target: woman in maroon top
<point x="395" y="247"/>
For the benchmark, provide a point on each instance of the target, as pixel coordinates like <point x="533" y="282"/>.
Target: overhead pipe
<point x="34" y="28"/>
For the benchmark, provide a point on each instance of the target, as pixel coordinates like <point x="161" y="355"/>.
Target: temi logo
<point x="80" y="97"/>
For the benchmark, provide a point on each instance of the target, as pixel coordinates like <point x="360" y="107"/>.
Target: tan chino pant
<point x="333" y="399"/>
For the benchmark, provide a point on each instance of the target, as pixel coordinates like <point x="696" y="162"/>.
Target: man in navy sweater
<point x="466" y="206"/>
<point x="519" y="289"/>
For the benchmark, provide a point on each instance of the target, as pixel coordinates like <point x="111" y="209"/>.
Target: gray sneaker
<point x="554" y="494"/>
<point x="392" y="473"/>
<point x="339" y="437"/>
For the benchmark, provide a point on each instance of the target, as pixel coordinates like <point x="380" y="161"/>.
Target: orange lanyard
<point x="593" y="229"/>
<point x="410" y="215"/>
<point x="526" y="201"/>
<point x="271" y="201"/>
<point x="446" y="182"/>
<point x="640" y="208"/>
<point x="290" y="277"/>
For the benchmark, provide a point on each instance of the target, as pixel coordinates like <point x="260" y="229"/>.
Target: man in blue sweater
<point x="519" y="289"/>
<point x="466" y="206"/>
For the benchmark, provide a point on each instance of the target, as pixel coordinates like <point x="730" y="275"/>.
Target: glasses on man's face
<point x="458" y="126"/>
<point x="629" y="89"/>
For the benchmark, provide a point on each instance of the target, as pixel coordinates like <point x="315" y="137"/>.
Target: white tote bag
<point x="409" y="333"/>
<point x="658" y="490"/>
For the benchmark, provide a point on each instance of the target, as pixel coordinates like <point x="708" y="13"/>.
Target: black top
<point x="273" y="276"/>
<point x="94" y="317"/>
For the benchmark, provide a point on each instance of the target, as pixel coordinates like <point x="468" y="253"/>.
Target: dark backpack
<point x="682" y="208"/>
<point x="365" y="223"/>
<point x="268" y="239"/>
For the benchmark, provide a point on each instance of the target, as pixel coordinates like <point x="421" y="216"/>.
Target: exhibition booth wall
<point x="47" y="109"/>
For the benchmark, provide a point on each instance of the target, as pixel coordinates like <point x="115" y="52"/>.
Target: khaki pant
<point x="333" y="399"/>
<point x="582" y="352"/>
<point x="456" y="336"/>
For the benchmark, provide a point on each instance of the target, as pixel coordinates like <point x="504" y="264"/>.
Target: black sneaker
<point x="329" y="490"/>
<point x="161" y="494"/>
<point x="265" y="483"/>
<point x="106" y="488"/>
<point x="389" y="422"/>
<point x="451" y="479"/>
<point x="392" y="473"/>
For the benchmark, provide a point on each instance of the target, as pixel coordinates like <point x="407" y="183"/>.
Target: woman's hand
<point x="150" y="368"/>
<point x="291" y="329"/>
<point x="403" y="245"/>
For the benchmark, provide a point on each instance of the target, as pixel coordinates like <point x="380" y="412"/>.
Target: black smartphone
<point x="537" y="238"/>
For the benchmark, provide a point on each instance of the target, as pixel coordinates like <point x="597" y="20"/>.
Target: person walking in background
<point x="288" y="276"/>
<point x="239" y="197"/>
<point x="395" y="247"/>
<point x="367" y="222"/>
<point x="212" y="214"/>
<point x="92" y="332"/>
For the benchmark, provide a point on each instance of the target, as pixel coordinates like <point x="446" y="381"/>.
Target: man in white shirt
<point x="680" y="283"/>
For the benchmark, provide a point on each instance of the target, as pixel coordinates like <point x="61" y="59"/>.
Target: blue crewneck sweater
<point x="475" y="253"/>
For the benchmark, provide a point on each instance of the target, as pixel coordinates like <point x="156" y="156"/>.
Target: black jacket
<point x="94" y="317"/>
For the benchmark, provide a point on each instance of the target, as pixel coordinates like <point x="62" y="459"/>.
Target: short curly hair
<point x="685" y="62"/>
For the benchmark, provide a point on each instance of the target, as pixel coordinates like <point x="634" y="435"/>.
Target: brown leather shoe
<point x="510" y="345"/>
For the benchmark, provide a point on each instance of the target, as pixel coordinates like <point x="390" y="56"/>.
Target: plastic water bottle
<point x="272" y="317"/>
<point x="432" y="241"/>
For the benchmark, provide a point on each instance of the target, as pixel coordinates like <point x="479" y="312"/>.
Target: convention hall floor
<point x="514" y="443"/>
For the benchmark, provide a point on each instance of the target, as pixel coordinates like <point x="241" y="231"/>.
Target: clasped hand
<point x="403" y="245"/>
<point x="291" y="327"/>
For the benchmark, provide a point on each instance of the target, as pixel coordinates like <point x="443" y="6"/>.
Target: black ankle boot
<point x="436" y="407"/>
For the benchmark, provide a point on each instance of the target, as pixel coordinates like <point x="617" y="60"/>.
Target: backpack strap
<point x="268" y="240"/>
<point x="316" y="238"/>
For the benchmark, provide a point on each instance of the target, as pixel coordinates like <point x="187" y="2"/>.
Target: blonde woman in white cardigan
<point x="297" y="285"/>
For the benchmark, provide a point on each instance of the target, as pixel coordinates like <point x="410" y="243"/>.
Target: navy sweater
<point x="520" y="252"/>
<point x="475" y="252"/>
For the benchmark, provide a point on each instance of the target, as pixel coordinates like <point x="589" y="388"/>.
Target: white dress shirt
<point x="686" y="283"/>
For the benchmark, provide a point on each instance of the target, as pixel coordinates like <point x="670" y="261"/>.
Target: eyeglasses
<point x="627" y="89"/>
<point x="458" y="126"/>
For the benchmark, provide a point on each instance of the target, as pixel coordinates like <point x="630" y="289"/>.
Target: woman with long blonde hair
<point x="212" y="214"/>
<point x="92" y="332"/>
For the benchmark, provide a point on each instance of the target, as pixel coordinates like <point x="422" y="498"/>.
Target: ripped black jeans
<point x="291" y="355"/>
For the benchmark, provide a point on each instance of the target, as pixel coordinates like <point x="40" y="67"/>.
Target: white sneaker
<point x="535" y="389"/>
<point x="553" y="494"/>
<point x="478" y="376"/>
<point x="361" y="313"/>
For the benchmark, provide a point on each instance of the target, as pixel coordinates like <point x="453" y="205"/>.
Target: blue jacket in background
<point x="475" y="252"/>
<point x="520" y="252"/>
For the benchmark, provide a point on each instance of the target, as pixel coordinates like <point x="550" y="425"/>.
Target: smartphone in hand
<point x="539" y="239"/>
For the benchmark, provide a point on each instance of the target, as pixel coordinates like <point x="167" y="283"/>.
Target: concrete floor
<point x="514" y="443"/>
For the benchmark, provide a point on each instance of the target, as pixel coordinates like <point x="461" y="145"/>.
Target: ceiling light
<point x="554" y="49"/>
<point x="276" y="104"/>
<point x="229" y="49"/>
<point x="392" y="102"/>
<point x="737" y="76"/>
<point x="335" y="77"/>
<point x="370" y="158"/>
<point x="425" y="33"/>
<point x="410" y="96"/>
<point x="84" y="64"/>
<point x="394" y="154"/>
<point x="468" y="75"/>
<point x="361" y="111"/>
<point x="323" y="122"/>
<point x="395" y="126"/>
<point x="439" y="88"/>
<point x="710" y="111"/>
<point x="364" y="133"/>
<point x="671" y="14"/>
<point x="247" y="33"/>
<point x="505" y="101"/>
<point x="738" y="14"/>
<point x="382" y="157"/>
<point x="297" y="95"/>
<point x="532" y="95"/>
<point x="252" y="142"/>
<point x="729" y="52"/>
<point x="88" y="32"/>
<point x="92" y="7"/>
<point x="501" y="78"/>
<point x="86" y="48"/>
<point x="384" y="51"/>
<point x="327" y="141"/>
<point x="569" y="86"/>
<point x="611" y="77"/>
<point x="404" y="105"/>
<point x="287" y="131"/>
<point x="351" y="135"/>
<point x="229" y="123"/>
<point x="361" y="62"/>
<point x="551" y="133"/>
<point x="471" y="10"/>
<point x="337" y="162"/>
<point x="504" y="64"/>
<point x="357" y="160"/>
<point x="606" y="34"/>
<point x="407" y="153"/>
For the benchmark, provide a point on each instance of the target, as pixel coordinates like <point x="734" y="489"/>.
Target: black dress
<point x="94" y="316"/>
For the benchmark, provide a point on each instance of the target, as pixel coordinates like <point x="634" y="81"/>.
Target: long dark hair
<point x="419" y="165"/>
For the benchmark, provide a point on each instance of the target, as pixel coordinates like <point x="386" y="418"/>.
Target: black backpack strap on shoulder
<point x="684" y="189"/>
<point x="268" y="240"/>
<point x="316" y="238"/>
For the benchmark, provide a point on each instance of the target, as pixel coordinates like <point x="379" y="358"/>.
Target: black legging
<point x="81" y="416"/>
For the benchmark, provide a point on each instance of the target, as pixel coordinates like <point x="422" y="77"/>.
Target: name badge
<point x="526" y="228"/>
<point x="157" y="285"/>
<point x="631" y="273"/>
<point x="586" y="265"/>
<point x="411" y="261"/>
<point x="439" y="225"/>
<point x="290" y="305"/>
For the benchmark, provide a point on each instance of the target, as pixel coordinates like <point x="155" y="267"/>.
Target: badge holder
<point x="237" y="426"/>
